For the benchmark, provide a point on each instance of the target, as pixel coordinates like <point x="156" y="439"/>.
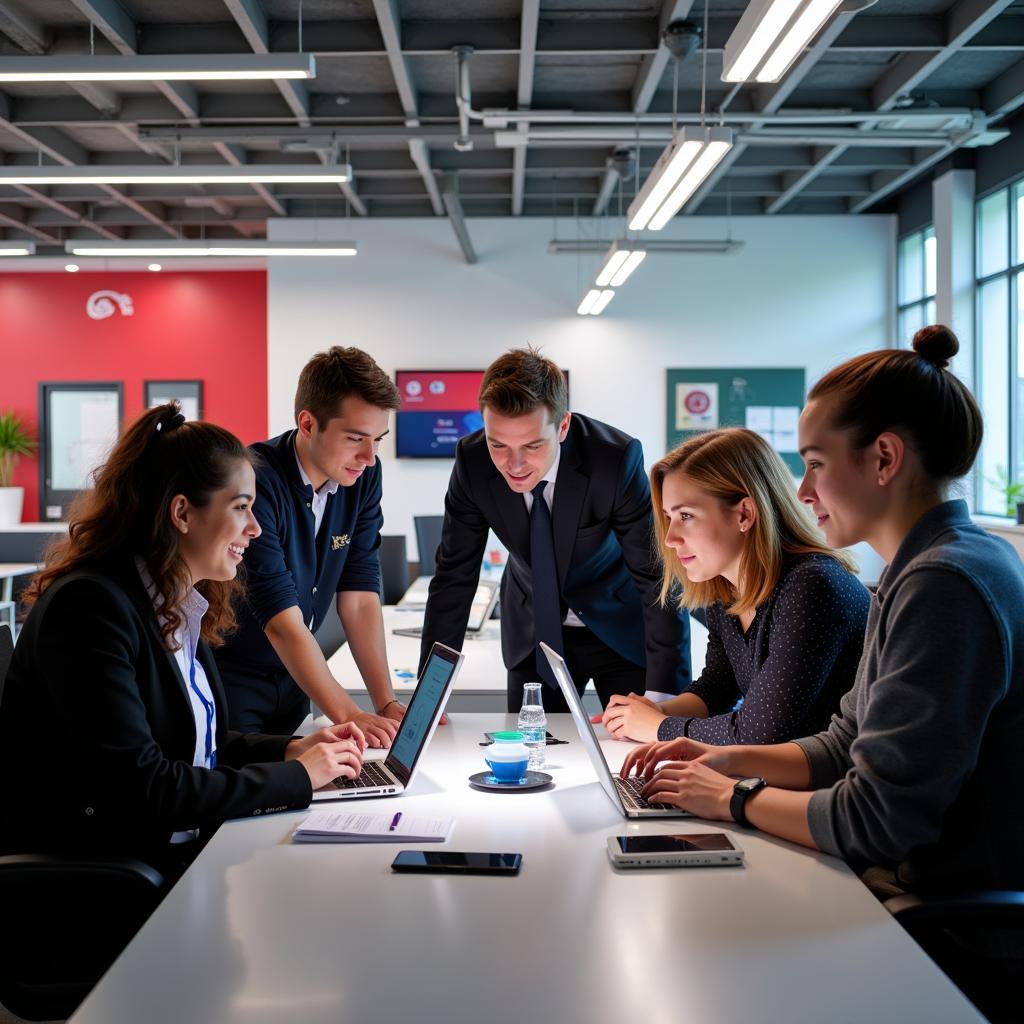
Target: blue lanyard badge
<point x="211" y="754"/>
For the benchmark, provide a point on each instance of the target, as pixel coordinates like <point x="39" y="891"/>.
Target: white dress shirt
<point x="320" y="497"/>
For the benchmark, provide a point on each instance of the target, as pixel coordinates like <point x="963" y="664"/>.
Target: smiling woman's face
<point x="215" y="537"/>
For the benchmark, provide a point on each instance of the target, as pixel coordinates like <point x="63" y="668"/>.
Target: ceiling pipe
<point x="463" y="144"/>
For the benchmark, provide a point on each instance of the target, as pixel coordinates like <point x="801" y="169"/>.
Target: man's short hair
<point x="521" y="381"/>
<point x="331" y="376"/>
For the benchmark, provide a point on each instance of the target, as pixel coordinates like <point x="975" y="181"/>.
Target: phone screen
<point x="699" y="841"/>
<point x="476" y="863"/>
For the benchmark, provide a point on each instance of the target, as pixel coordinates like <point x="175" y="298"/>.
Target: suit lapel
<point x="570" y="491"/>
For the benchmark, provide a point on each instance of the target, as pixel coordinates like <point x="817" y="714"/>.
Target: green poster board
<point x="766" y="400"/>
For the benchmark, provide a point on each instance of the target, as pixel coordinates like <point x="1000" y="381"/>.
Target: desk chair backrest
<point x="394" y="568"/>
<point x="428" y="540"/>
<point x="6" y="653"/>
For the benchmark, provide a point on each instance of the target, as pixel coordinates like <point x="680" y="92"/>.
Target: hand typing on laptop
<point x="329" y="753"/>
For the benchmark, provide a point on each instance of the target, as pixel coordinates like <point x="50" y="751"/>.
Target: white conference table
<point x="262" y="931"/>
<point x="481" y="684"/>
<point x="8" y="570"/>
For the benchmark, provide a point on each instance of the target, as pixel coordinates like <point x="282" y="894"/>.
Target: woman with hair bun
<point x="914" y="776"/>
<point x="112" y="685"/>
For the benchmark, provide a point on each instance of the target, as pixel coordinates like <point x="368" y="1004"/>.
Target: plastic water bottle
<point x="533" y="724"/>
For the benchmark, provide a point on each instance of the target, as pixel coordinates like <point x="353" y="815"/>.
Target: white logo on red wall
<point x="106" y="303"/>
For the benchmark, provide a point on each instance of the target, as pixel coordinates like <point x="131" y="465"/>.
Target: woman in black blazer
<point x="113" y="724"/>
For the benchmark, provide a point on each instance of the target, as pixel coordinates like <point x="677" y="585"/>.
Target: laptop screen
<point x="484" y="600"/>
<point x="423" y="711"/>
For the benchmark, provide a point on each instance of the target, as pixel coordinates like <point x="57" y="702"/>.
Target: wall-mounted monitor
<point x="439" y="407"/>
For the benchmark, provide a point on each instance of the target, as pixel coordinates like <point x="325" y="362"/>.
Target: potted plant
<point x="1012" y="490"/>
<point x="15" y="441"/>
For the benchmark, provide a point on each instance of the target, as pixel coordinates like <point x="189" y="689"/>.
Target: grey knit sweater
<point x="920" y="769"/>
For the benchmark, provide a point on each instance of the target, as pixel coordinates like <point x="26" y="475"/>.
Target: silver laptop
<point x="394" y="774"/>
<point x="624" y="793"/>
<point x="484" y="600"/>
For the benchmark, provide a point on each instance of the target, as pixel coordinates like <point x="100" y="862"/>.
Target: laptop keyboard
<point x="370" y="777"/>
<point x="629" y="790"/>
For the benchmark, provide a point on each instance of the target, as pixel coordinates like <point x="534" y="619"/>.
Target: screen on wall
<point x="438" y="408"/>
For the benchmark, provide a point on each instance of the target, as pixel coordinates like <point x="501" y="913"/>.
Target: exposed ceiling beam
<point x="527" y="56"/>
<point x="770" y="99"/>
<point x="453" y="207"/>
<point x="21" y="225"/>
<point x="885" y="183"/>
<point x="421" y="158"/>
<point x="55" y="204"/>
<point x="236" y="155"/>
<point x="389" y="20"/>
<point x="652" y="69"/>
<point x="1006" y="93"/>
<point x="962" y="22"/>
<point x="24" y="29"/>
<point x="252" y="20"/>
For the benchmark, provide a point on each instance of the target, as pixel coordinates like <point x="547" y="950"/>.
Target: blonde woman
<point x="785" y="614"/>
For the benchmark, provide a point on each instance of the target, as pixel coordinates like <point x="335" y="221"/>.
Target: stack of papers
<point x="345" y="827"/>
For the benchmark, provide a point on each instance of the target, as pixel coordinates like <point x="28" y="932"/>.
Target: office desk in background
<point x="260" y="931"/>
<point x="8" y="572"/>
<point x="481" y="684"/>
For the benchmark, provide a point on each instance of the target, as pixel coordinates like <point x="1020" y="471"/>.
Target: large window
<point x="916" y="285"/>
<point x="1000" y="372"/>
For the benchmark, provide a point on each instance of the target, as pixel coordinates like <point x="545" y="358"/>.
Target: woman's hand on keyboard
<point x="645" y="758"/>
<point x="326" y="761"/>
<point x="694" y="786"/>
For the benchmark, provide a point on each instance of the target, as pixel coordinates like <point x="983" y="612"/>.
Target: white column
<point x="953" y="216"/>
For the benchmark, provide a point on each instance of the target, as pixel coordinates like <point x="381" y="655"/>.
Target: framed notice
<point x="767" y="400"/>
<point x="188" y="392"/>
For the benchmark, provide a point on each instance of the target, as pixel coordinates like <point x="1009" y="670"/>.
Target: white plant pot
<point x="11" y="501"/>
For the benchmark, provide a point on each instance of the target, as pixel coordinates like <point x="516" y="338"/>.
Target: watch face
<point x="745" y="785"/>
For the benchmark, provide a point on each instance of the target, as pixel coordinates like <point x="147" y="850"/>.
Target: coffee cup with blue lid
<point x="508" y="757"/>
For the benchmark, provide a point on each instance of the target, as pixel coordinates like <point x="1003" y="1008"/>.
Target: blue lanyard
<point x="211" y="754"/>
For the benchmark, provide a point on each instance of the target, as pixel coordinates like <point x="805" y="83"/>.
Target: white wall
<point x="803" y="291"/>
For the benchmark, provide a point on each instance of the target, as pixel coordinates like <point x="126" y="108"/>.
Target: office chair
<point x="428" y="540"/>
<point x="331" y="634"/>
<point x="65" y="919"/>
<point x="394" y="568"/>
<point x="947" y="928"/>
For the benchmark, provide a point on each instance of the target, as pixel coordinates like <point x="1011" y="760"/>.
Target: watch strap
<point x="741" y="793"/>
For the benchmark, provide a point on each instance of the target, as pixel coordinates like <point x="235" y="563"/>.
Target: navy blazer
<point x="290" y="565"/>
<point x="97" y="732"/>
<point x="604" y="549"/>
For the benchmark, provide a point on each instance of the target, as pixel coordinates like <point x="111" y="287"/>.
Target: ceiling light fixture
<point x="691" y="156"/>
<point x="17" y="248"/>
<point x="594" y="301"/>
<point x="205" y="67"/>
<point x="246" y="174"/>
<point x="208" y="247"/>
<point x="769" y="37"/>
<point x="621" y="259"/>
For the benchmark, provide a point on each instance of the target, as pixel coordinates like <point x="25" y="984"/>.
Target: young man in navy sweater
<point x="318" y="491"/>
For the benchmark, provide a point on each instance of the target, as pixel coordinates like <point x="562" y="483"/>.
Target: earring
<point x="743" y="529"/>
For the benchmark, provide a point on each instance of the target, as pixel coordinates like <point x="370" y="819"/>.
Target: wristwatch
<point x="741" y="793"/>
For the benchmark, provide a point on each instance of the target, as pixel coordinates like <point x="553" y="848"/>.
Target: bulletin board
<point x="766" y="400"/>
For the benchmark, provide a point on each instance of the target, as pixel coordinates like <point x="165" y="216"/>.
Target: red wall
<point x="185" y="326"/>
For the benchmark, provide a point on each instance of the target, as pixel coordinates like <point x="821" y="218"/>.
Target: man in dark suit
<point x="569" y="498"/>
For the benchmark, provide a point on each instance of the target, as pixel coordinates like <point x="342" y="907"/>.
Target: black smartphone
<point x="450" y="861"/>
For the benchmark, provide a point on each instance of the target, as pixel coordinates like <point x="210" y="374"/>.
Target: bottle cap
<point x="508" y="737"/>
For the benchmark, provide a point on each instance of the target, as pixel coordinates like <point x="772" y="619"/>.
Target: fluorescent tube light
<point x="246" y="66"/>
<point x="17" y="248"/>
<point x="621" y="259"/>
<point x="594" y="301"/>
<point x="226" y="174"/>
<point x="687" y="161"/>
<point x="209" y="247"/>
<point x="770" y="36"/>
<point x="800" y="33"/>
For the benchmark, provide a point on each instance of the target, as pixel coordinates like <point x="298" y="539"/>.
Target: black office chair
<point x="65" y="920"/>
<point x="428" y="540"/>
<point x="394" y="568"/>
<point x="946" y="927"/>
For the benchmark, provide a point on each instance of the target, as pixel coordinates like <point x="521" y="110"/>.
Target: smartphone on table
<point x="683" y="850"/>
<point x="456" y="863"/>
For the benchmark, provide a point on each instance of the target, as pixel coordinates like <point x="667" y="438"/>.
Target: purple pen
<point x="394" y="821"/>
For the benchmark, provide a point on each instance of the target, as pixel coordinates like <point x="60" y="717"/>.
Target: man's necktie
<point x="547" y="607"/>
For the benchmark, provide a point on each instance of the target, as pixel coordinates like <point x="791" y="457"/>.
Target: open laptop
<point x="394" y="774"/>
<point x="484" y="600"/>
<point x="624" y="793"/>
